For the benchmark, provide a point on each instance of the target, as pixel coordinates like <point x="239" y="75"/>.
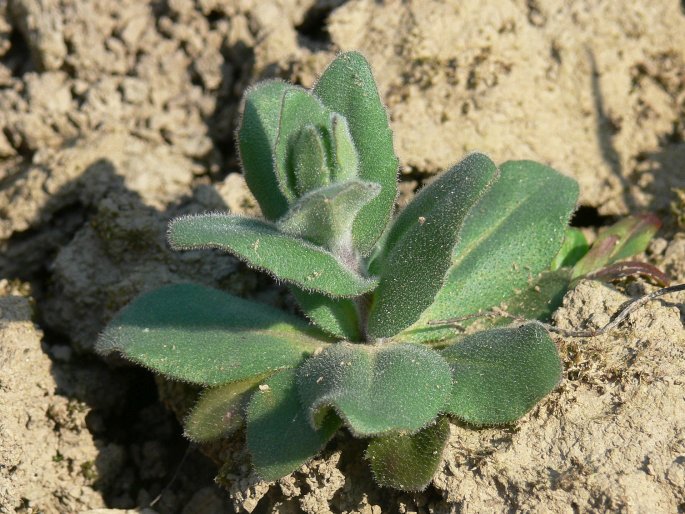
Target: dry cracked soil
<point x="116" y="116"/>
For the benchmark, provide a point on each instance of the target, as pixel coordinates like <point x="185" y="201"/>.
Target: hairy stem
<point x="346" y="252"/>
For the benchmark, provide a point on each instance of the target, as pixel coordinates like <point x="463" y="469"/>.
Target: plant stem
<point x="348" y="255"/>
<point x="363" y="303"/>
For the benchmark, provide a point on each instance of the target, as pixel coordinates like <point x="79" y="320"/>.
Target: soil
<point x="116" y="116"/>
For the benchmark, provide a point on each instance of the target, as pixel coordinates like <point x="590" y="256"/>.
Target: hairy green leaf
<point x="624" y="239"/>
<point x="279" y="436"/>
<point x="201" y="335"/>
<point x="300" y="109"/>
<point x="347" y="87"/>
<point x="263" y="246"/>
<point x="256" y="140"/>
<point x="219" y="412"/>
<point x="408" y="462"/>
<point x="309" y="161"/>
<point x="635" y="232"/>
<point x="325" y="216"/>
<point x="537" y="301"/>
<point x="376" y="389"/>
<point x="336" y="316"/>
<point x="542" y="297"/>
<point x="420" y="242"/>
<point x="573" y="249"/>
<point x="509" y="237"/>
<point x="346" y="157"/>
<point x="500" y="374"/>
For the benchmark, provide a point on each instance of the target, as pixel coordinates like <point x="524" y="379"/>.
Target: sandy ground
<point x="116" y="116"/>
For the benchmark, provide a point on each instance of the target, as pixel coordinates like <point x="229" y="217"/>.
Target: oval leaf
<point x="201" y="335"/>
<point x="263" y="246"/>
<point x="309" y="161"/>
<point x="621" y="240"/>
<point x="375" y="389"/>
<point x="542" y="297"/>
<point x="325" y="216"/>
<point x="500" y="374"/>
<point x="509" y="237"/>
<point x="219" y="411"/>
<point x="256" y="139"/>
<point x="347" y="87"/>
<point x="574" y="247"/>
<point x="300" y="109"/>
<point x="346" y="157"/>
<point x="338" y="317"/>
<point x="408" y="462"/>
<point x="279" y="436"/>
<point x="419" y="245"/>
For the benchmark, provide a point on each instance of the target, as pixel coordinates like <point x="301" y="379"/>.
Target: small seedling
<point x="321" y="165"/>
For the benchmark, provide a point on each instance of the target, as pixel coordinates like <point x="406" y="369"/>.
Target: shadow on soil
<point x="139" y="439"/>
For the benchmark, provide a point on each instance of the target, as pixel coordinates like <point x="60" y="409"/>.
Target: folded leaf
<point x="263" y="246"/>
<point x="309" y="161"/>
<point x="325" y="216"/>
<point x="256" y="140"/>
<point x="375" y="389"/>
<point x="573" y="249"/>
<point x="419" y="245"/>
<point x="346" y="157"/>
<point x="202" y="335"/>
<point x="336" y="316"/>
<point x="219" y="411"/>
<point x="347" y="87"/>
<point x="500" y="374"/>
<point x="408" y="462"/>
<point x="624" y="239"/>
<point x="279" y="437"/>
<point x="509" y="237"/>
<point x="300" y="109"/>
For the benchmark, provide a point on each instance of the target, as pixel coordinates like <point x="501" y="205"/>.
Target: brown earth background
<point x="118" y="115"/>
